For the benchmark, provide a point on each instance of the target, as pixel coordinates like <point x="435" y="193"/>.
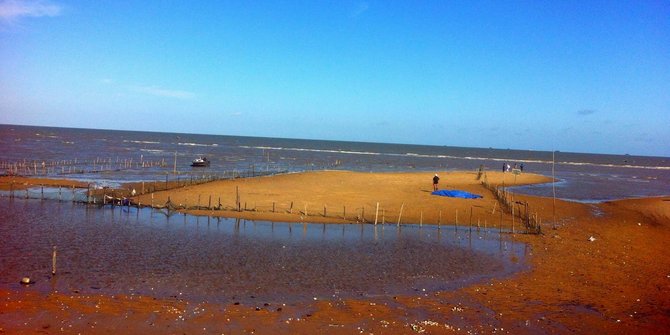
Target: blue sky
<point x="583" y="76"/>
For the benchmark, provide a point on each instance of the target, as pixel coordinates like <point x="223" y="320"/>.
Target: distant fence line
<point x="517" y="209"/>
<point x="75" y="166"/>
<point x="36" y="168"/>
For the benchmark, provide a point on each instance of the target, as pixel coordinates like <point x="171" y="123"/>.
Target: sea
<point x="112" y="157"/>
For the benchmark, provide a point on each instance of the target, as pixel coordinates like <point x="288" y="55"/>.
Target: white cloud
<point x="162" y="92"/>
<point x="12" y="10"/>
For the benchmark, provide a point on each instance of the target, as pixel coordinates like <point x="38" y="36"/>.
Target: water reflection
<point x="125" y="250"/>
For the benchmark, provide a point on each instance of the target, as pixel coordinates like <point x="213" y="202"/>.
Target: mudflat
<point x="596" y="268"/>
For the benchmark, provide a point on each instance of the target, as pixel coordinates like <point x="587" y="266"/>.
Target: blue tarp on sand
<point x="456" y="194"/>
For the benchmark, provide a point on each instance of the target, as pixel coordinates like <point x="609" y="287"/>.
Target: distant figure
<point x="521" y="167"/>
<point x="436" y="180"/>
<point x="504" y="166"/>
<point x="508" y="167"/>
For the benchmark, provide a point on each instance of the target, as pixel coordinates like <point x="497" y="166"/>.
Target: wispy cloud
<point x="162" y="92"/>
<point x="13" y="10"/>
<point x="360" y="8"/>
<point x="586" y="112"/>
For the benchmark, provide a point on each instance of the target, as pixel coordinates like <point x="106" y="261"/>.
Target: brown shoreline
<point x="618" y="283"/>
<point x="8" y="183"/>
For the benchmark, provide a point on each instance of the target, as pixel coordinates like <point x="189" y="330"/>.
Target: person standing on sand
<point x="436" y="180"/>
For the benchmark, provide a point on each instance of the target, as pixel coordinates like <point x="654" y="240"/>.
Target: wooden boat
<point x="200" y="162"/>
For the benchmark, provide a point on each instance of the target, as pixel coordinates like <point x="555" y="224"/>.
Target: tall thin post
<point x="400" y="215"/>
<point x="512" y="218"/>
<point x="553" y="188"/>
<point x="237" y="197"/>
<point x="53" y="261"/>
<point x="175" y="163"/>
<point x="471" y="219"/>
<point x="456" y="224"/>
<point x="439" y="220"/>
<point x="377" y="213"/>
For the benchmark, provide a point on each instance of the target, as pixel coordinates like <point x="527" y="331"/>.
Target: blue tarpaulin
<point x="456" y="194"/>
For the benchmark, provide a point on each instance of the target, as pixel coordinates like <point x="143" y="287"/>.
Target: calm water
<point x="145" y="252"/>
<point x="584" y="177"/>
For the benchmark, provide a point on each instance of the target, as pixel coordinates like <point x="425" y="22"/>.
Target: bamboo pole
<point x="471" y="219"/>
<point x="553" y="189"/>
<point x="53" y="261"/>
<point x="456" y="224"/>
<point x="237" y="198"/>
<point x="439" y="220"/>
<point x="512" y="218"/>
<point x="400" y="215"/>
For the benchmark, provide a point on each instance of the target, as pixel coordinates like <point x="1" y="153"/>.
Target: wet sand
<point x="8" y="183"/>
<point x="616" y="283"/>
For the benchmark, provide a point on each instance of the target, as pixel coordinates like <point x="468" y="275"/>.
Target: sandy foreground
<point x="617" y="282"/>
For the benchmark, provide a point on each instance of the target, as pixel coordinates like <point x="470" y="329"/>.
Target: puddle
<point x="124" y="250"/>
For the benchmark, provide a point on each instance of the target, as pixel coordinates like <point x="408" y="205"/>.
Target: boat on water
<point x="200" y="161"/>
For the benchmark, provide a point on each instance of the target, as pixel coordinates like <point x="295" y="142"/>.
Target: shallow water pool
<point x="121" y="250"/>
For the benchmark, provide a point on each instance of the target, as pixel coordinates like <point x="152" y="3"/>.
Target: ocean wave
<point x="198" y="144"/>
<point x="141" y="142"/>
<point x="152" y="150"/>
<point x="474" y="158"/>
<point x="628" y="166"/>
<point x="339" y="151"/>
